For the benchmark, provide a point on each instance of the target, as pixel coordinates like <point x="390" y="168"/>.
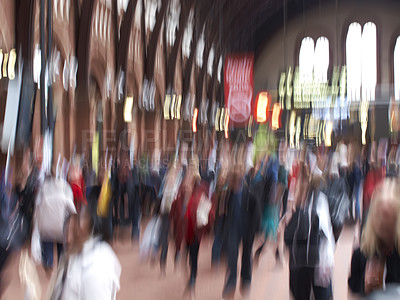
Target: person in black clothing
<point x="243" y="219"/>
<point x="379" y="242"/>
<point x="101" y="225"/>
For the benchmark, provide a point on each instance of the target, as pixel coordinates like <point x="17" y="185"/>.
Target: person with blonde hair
<point x="377" y="263"/>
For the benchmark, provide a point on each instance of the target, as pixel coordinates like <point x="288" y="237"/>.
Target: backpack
<point x="16" y="228"/>
<point x="302" y="236"/>
<point x="339" y="202"/>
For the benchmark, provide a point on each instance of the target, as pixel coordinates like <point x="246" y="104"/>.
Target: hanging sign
<point x="238" y="75"/>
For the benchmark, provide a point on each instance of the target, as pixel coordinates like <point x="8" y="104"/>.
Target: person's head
<point x="382" y="230"/>
<point x="302" y="185"/>
<point x="71" y="234"/>
<point x="84" y="228"/>
<point x="192" y="174"/>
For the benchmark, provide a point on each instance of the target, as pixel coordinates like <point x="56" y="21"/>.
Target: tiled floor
<point x="139" y="280"/>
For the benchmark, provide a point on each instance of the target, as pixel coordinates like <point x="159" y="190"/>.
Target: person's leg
<point x="247" y="253"/>
<point x="233" y="252"/>
<point x="164" y="231"/>
<point x="357" y="194"/>
<point x="60" y="250"/>
<point x="4" y="254"/>
<point x="122" y="204"/>
<point x="322" y="293"/>
<point x="217" y="244"/>
<point x="284" y="202"/>
<point x="300" y="281"/>
<point x="193" y="256"/>
<point x="115" y="200"/>
<point x="136" y="214"/>
<point x="47" y="254"/>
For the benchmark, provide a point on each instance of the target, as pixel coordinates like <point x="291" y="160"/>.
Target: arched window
<point x="396" y="65"/>
<point x="314" y="61"/>
<point x="313" y="68"/>
<point x="306" y="60"/>
<point x="361" y="62"/>
<point x="321" y="60"/>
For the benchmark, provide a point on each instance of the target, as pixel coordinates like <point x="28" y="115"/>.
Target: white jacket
<point x="93" y="274"/>
<point x="323" y="272"/>
<point x="54" y="203"/>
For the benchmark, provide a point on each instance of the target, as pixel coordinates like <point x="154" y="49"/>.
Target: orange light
<point x="275" y="123"/>
<point x="262" y="107"/>
<point x="194" y="121"/>
<point x="226" y="125"/>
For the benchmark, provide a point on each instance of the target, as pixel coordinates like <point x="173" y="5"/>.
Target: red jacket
<point x="78" y="190"/>
<point x="192" y="231"/>
<point x="373" y="178"/>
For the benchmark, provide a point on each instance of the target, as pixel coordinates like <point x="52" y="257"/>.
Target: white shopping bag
<point x="203" y="210"/>
<point x="150" y="238"/>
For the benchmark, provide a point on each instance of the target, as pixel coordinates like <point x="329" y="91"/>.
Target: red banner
<point x="238" y="86"/>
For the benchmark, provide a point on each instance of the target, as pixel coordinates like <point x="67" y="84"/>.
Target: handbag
<point x="104" y="198"/>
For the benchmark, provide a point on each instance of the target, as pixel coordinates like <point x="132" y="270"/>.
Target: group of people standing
<point x="235" y="193"/>
<point x="47" y="210"/>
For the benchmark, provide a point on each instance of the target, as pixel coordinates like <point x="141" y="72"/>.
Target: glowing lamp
<point x="11" y="64"/>
<point x="173" y="107"/>
<point x="217" y="116"/>
<point x="262" y="102"/>
<point x="328" y="134"/>
<point x="128" y="109"/>
<point x="222" y="119"/>
<point x="1" y="61"/>
<point x="194" y="121"/>
<point x="226" y="125"/>
<point x="167" y="104"/>
<point x="178" y="107"/>
<point x="5" y="64"/>
<point x="276" y="113"/>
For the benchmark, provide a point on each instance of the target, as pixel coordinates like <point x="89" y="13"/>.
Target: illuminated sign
<point x="364" y="106"/>
<point x="128" y="109"/>
<point x="194" y="121"/>
<point x="328" y="134"/>
<point x="167" y="103"/>
<point x="262" y="102"/>
<point x="222" y="119"/>
<point x="238" y="86"/>
<point x="178" y="107"/>
<point x="292" y="128"/>
<point x="172" y="107"/>
<point x="217" y="116"/>
<point x="7" y="64"/>
<point x="226" y="125"/>
<point x="314" y="93"/>
<point x="276" y="114"/>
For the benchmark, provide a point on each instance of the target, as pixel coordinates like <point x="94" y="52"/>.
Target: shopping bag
<point x="36" y="246"/>
<point x="203" y="211"/>
<point x="150" y="238"/>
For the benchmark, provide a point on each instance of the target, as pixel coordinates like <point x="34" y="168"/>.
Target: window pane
<point x="306" y="60"/>
<point x="369" y="61"/>
<point x="397" y="69"/>
<point x="353" y="61"/>
<point x="321" y="60"/>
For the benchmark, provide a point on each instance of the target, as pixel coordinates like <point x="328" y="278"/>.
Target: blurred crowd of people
<point x="240" y="195"/>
